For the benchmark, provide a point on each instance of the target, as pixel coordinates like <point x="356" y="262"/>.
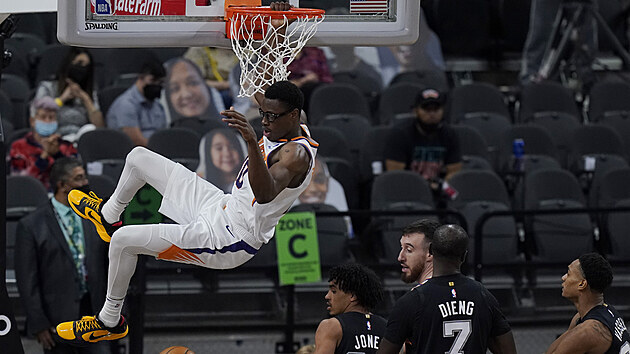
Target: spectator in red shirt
<point x="34" y="154"/>
<point x="309" y="70"/>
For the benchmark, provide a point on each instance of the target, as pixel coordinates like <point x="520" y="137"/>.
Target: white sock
<point x="112" y="210"/>
<point x="110" y="314"/>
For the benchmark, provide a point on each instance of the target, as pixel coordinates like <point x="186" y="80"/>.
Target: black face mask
<point x="429" y="128"/>
<point x="78" y="74"/>
<point x="152" y="91"/>
<point x="85" y="189"/>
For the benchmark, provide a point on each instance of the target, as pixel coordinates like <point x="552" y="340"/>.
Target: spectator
<point x="353" y="292"/>
<point x="425" y="54"/>
<point x="215" y="65"/>
<point x="74" y="92"/>
<point x="55" y="253"/>
<point x="35" y="153"/>
<point x="187" y="96"/>
<point x="137" y="112"/>
<point x="324" y="189"/>
<point x="309" y="70"/>
<point x="541" y="24"/>
<point x="426" y="144"/>
<point x="221" y="158"/>
<point x="346" y="59"/>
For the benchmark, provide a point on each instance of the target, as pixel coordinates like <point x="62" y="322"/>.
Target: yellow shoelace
<point x="85" y="325"/>
<point x="93" y="203"/>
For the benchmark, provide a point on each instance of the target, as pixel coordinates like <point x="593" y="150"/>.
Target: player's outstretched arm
<point x="328" y="336"/>
<point x="281" y="27"/>
<point x="591" y="336"/>
<point x="267" y="183"/>
<point x="503" y="344"/>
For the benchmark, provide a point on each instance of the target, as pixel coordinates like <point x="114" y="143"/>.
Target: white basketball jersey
<point x="261" y="219"/>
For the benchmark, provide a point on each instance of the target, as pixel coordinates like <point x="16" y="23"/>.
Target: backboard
<point x="181" y="23"/>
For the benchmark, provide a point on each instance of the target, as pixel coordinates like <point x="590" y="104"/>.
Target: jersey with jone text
<point x="261" y="219"/>
<point x="447" y="314"/>
<point x="362" y="333"/>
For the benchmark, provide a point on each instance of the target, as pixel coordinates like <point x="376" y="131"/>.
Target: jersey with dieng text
<point x="448" y="314"/>
<point x="362" y="333"/>
<point x="610" y="318"/>
<point x="261" y="219"/>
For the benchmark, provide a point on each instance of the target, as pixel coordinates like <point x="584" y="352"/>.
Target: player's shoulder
<point x="592" y="329"/>
<point x="329" y="325"/>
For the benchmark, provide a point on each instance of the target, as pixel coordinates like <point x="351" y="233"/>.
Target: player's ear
<point x="463" y="259"/>
<point x="582" y="284"/>
<point x="430" y="249"/>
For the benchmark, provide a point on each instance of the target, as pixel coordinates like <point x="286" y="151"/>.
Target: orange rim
<point x="249" y="11"/>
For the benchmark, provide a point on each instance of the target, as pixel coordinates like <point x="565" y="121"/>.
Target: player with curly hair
<point x="354" y="291"/>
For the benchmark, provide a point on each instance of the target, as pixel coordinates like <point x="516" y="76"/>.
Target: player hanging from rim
<point x="213" y="229"/>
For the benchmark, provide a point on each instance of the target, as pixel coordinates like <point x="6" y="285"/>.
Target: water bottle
<point x="518" y="150"/>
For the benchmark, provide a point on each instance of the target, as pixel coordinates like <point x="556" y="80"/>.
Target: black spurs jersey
<point x="362" y="333"/>
<point x="608" y="316"/>
<point x="448" y="314"/>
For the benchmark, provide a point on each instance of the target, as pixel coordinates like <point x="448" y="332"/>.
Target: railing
<point x="479" y="237"/>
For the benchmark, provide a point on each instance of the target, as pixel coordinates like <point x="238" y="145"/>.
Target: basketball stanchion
<point x="9" y="335"/>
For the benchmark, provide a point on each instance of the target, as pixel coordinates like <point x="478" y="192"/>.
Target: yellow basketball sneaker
<point x="88" y="206"/>
<point x="90" y="329"/>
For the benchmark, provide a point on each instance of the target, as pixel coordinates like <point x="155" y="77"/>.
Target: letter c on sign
<point x="8" y="322"/>
<point x="292" y="250"/>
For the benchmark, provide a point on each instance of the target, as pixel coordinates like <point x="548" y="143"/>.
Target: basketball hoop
<point x="261" y="47"/>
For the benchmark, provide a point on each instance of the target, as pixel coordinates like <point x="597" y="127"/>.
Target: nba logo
<point x="453" y="292"/>
<point x="369" y="326"/>
<point x="103" y="7"/>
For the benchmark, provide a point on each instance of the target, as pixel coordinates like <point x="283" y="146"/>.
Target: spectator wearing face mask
<point x="137" y="111"/>
<point x="35" y="153"/>
<point x="73" y="91"/>
<point x="426" y="144"/>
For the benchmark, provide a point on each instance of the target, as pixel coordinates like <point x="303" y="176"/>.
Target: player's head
<point x="429" y="109"/>
<point x="450" y="245"/>
<point x="414" y="254"/>
<point x="280" y="110"/>
<point x="350" y="286"/>
<point x="590" y="271"/>
<point x="150" y="79"/>
<point x="66" y="174"/>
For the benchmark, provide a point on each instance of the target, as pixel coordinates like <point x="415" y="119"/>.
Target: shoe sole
<point x="95" y="219"/>
<point x="101" y="335"/>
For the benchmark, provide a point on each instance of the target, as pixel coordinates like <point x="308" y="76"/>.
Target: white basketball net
<point x="272" y="54"/>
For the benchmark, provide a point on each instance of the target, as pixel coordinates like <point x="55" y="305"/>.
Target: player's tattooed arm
<point x="591" y="336"/>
